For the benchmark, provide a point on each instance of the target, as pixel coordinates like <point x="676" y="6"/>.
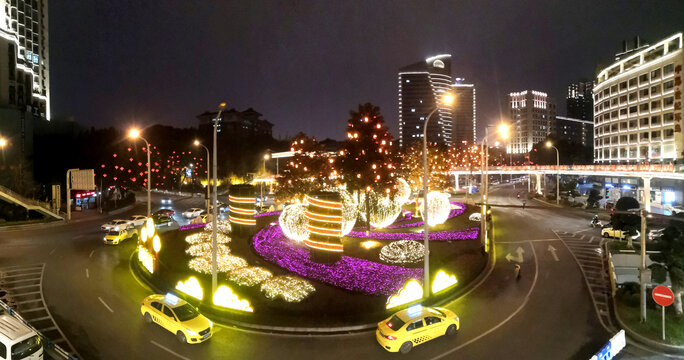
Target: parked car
<point x="192" y="213"/>
<point x="165" y="212"/>
<point x="116" y="225"/>
<point x="137" y="220"/>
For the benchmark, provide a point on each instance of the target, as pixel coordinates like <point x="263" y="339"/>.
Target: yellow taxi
<point x="177" y="316"/>
<point x="114" y="237"/>
<point x="414" y="326"/>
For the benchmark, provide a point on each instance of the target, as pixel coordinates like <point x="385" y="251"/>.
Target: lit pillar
<point x="538" y="175"/>
<point x="647" y="194"/>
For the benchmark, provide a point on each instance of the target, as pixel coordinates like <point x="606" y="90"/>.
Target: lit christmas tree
<point x="305" y="172"/>
<point x="439" y="164"/>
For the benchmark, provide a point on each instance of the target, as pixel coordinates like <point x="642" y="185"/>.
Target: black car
<point x="162" y="220"/>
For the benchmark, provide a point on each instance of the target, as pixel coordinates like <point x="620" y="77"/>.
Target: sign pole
<point x="663" y="322"/>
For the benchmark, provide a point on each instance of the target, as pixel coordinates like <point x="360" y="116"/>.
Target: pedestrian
<point x="516" y="272"/>
<point x="523" y="204"/>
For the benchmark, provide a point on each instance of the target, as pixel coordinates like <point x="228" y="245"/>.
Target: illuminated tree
<point x="305" y="172"/>
<point x="439" y="165"/>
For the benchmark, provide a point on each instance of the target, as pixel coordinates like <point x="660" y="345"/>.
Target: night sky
<point x="305" y="64"/>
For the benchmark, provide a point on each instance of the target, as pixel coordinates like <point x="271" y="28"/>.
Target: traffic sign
<point x="663" y="296"/>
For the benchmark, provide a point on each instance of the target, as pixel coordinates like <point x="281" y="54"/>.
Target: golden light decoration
<point x="369" y="244"/>
<point x="403" y="191"/>
<point x="249" y="275"/>
<point x="149" y="226"/>
<point x="205" y="236"/>
<point x="156" y="243"/>
<point x="191" y="287"/>
<point x="225" y="263"/>
<point x="143" y="234"/>
<point x="443" y="281"/>
<point x="146" y="259"/>
<point x="293" y="222"/>
<point x="438" y="207"/>
<point x="402" y="252"/>
<point x="224" y="297"/>
<point x="204" y="249"/>
<point x="411" y="291"/>
<point x="288" y="288"/>
<point x="223" y="226"/>
<point x="350" y="210"/>
<point x="385" y="211"/>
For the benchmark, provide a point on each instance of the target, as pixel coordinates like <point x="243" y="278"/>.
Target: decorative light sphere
<point x="383" y="209"/>
<point x="403" y="191"/>
<point x="402" y="252"/>
<point x="293" y="222"/>
<point x="289" y="288"/>
<point x="249" y="275"/>
<point x="438" y="207"/>
<point x="350" y="210"/>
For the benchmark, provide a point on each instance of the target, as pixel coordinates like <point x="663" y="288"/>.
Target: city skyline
<point x="267" y="56"/>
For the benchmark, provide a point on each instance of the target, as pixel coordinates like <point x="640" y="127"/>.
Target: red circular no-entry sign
<point x="663" y="296"/>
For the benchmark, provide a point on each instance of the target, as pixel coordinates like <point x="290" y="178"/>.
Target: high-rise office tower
<point x="533" y="114"/>
<point x="464" y="113"/>
<point x="421" y="86"/>
<point x="580" y="102"/>
<point x="638" y="105"/>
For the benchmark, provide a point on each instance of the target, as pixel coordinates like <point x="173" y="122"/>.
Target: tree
<point x="568" y="152"/>
<point x="593" y="198"/>
<point x="306" y="171"/>
<point x="623" y="221"/>
<point x="670" y="261"/>
<point x="438" y="166"/>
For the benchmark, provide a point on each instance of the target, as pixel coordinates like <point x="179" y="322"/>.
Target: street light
<point x="3" y="143"/>
<point x="214" y="215"/>
<point x="447" y="100"/>
<point x="502" y="130"/>
<point x="135" y="134"/>
<point x="197" y="143"/>
<point x="550" y="145"/>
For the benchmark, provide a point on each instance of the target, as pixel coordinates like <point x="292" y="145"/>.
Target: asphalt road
<point x="547" y="314"/>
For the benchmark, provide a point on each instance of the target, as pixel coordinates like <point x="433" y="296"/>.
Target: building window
<point x="655" y="74"/>
<point x="632" y="124"/>
<point x="643" y="122"/>
<point x="655" y="135"/>
<point x="668" y="85"/>
<point x="613" y="101"/>
<point x="643" y="78"/>
<point x="632" y="138"/>
<point x="668" y="69"/>
<point x="623" y="99"/>
<point x="644" y="136"/>
<point x="655" y="105"/>
<point x="632" y="83"/>
<point x="623" y="86"/>
<point x="668" y="118"/>
<point x="643" y="93"/>
<point x="623" y="112"/>
<point x="668" y="133"/>
<point x="668" y="101"/>
<point x="642" y="108"/>
<point x="655" y="90"/>
<point x="633" y="109"/>
<point x="632" y="96"/>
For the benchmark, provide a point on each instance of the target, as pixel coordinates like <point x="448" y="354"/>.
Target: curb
<point x="32" y="226"/>
<point x="652" y="345"/>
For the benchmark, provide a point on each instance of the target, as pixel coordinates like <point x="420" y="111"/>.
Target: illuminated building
<point x="579" y="101"/>
<point x="638" y="105"/>
<point x="420" y="88"/>
<point x="532" y="114"/>
<point x="246" y="123"/>
<point x="464" y="113"/>
<point x="574" y="130"/>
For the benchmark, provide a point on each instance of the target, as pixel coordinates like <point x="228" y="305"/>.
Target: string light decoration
<point x="443" y="281"/>
<point x="411" y="291"/>
<point x="223" y="226"/>
<point x="191" y="287"/>
<point x="293" y="222"/>
<point x="204" y="249"/>
<point x="467" y="234"/>
<point x="288" y="288"/>
<point x="383" y="209"/>
<point x="353" y="274"/>
<point x="224" y="297"/>
<point x="403" y="191"/>
<point x="350" y="210"/>
<point x="402" y="252"/>
<point x="225" y="263"/>
<point x="204" y="236"/>
<point x="438" y="208"/>
<point x="309" y="170"/>
<point x="249" y="275"/>
<point x="325" y="222"/>
<point x="242" y="203"/>
<point x="148" y="251"/>
<point x="438" y="165"/>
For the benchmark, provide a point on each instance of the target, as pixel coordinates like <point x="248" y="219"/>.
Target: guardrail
<point x="50" y="349"/>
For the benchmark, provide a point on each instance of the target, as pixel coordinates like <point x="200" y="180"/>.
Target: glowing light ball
<point x="225" y="297"/>
<point x="402" y="252"/>
<point x="350" y="211"/>
<point x="191" y="287"/>
<point x="443" y="281"/>
<point x="403" y="191"/>
<point x="204" y="249"/>
<point x="149" y="226"/>
<point x="249" y="276"/>
<point x="383" y="209"/>
<point x="293" y="222"/>
<point x="438" y="207"/>
<point x="288" y="288"/>
<point x="156" y="243"/>
<point x="225" y="263"/>
<point x="411" y="291"/>
<point x="143" y="234"/>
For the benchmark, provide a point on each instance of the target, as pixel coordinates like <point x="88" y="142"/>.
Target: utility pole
<point x="68" y="193"/>
<point x="644" y="273"/>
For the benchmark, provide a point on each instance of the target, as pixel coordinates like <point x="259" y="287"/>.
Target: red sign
<point x="663" y="296"/>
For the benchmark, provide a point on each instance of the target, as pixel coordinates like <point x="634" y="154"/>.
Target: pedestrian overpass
<point x="644" y="172"/>
<point x="29" y="204"/>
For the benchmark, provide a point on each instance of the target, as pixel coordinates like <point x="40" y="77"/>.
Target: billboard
<point x="83" y="179"/>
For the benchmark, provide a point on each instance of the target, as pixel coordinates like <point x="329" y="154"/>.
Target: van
<point x="17" y="340"/>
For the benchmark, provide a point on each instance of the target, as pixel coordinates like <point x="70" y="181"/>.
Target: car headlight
<point x="191" y="333"/>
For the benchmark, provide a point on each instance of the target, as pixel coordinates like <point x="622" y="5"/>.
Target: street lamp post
<point x="214" y="215"/>
<point x="550" y="145"/>
<point x="484" y="170"/>
<point x="447" y="99"/>
<point x="3" y="143"/>
<point x="134" y="134"/>
<point x="197" y="143"/>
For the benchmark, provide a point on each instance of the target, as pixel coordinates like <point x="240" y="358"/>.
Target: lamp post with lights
<point x="502" y="130"/>
<point x="197" y="143"/>
<point x="446" y="100"/>
<point x="135" y="134"/>
<point x="550" y="145"/>
<point x="3" y="143"/>
<point x="214" y="213"/>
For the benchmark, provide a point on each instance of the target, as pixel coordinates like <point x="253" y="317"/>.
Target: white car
<point x="192" y="213"/>
<point x="116" y="225"/>
<point x="475" y="217"/>
<point x="166" y="201"/>
<point x="137" y="220"/>
<point x="675" y="209"/>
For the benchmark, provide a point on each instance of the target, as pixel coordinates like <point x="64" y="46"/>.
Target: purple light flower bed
<point x="467" y="234"/>
<point x="349" y="273"/>
<point x="452" y="214"/>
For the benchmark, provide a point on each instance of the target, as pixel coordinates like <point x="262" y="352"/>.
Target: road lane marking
<point x="91" y="254"/>
<point x="519" y="258"/>
<point x="52" y="252"/>
<point x="553" y="252"/>
<point x="87" y="274"/>
<point x="169" y="350"/>
<point x="105" y="305"/>
<point x="527" y="298"/>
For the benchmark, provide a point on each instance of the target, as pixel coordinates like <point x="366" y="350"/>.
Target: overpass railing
<point x="655" y="168"/>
